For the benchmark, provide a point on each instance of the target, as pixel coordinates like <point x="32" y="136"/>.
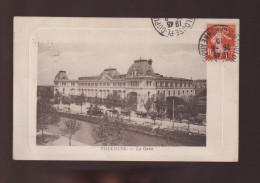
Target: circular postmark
<point x="172" y="27"/>
<point x="219" y="43"/>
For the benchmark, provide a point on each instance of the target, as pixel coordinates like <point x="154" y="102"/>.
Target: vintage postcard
<point x="126" y="89"/>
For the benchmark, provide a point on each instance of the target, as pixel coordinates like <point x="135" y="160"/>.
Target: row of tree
<point x="157" y="107"/>
<point x="112" y="101"/>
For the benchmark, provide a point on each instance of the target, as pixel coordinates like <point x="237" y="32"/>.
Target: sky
<point x="90" y="58"/>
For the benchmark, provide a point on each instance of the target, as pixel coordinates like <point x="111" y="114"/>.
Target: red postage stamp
<point x="218" y="42"/>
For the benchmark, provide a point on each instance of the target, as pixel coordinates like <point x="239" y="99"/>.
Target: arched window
<point x="148" y="72"/>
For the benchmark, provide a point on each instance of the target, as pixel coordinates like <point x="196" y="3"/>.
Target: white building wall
<point x="144" y="89"/>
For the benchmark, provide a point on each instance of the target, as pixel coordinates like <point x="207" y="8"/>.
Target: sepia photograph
<point x="92" y="95"/>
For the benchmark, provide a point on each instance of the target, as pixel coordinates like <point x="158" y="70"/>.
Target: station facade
<point x="140" y="81"/>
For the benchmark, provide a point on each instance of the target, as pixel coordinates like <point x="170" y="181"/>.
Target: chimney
<point x="150" y="61"/>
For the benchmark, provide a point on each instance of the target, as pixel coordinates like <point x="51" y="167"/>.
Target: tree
<point x="71" y="127"/>
<point x="46" y="113"/>
<point x="177" y="109"/>
<point x="153" y="112"/>
<point x="66" y="100"/>
<point x="192" y="109"/>
<point x="148" y="104"/>
<point x="80" y="100"/>
<point x="160" y="106"/>
<point x="109" y="132"/>
<point x="129" y="105"/>
<point x="96" y="101"/>
<point x="57" y="98"/>
<point x="112" y="101"/>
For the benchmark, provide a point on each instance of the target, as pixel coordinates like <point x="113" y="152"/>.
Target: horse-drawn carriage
<point x="141" y="114"/>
